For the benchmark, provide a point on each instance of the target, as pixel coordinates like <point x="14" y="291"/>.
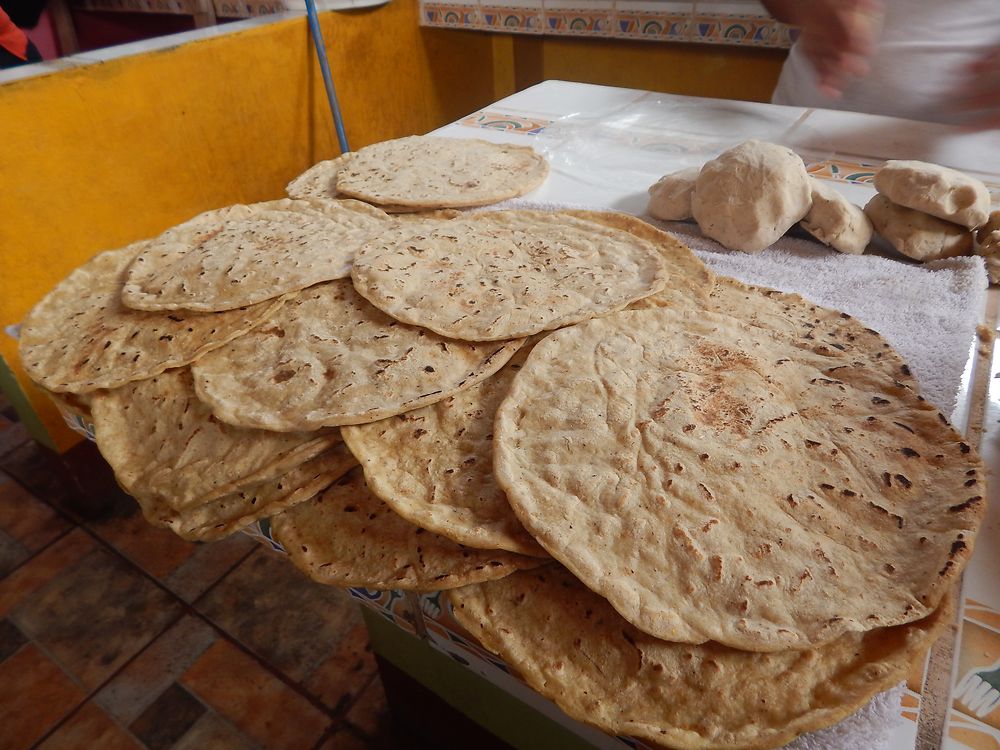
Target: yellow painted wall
<point x="96" y="157"/>
<point x="723" y="71"/>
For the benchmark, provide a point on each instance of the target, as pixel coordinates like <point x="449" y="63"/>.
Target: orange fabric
<point x="12" y="38"/>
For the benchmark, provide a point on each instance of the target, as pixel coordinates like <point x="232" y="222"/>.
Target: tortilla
<point x="166" y="446"/>
<point x="573" y="648"/>
<point x="434" y="466"/>
<point x="505" y="274"/>
<point x="348" y="537"/>
<point x="329" y="358"/>
<point x="716" y="482"/>
<point x="80" y="337"/>
<point x="217" y="262"/>
<point x="430" y="172"/>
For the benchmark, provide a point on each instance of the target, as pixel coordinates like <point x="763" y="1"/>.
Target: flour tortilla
<point x="348" y="537"/>
<point x="329" y="358"/>
<point x="166" y="446"/>
<point x="430" y="172"/>
<point x="715" y="482"/>
<point x="230" y="513"/>
<point x="320" y="182"/>
<point x="434" y="466"/>
<point x="80" y="337"/>
<point x="690" y="281"/>
<point x="218" y="262"/>
<point x="573" y="648"/>
<point x="505" y="274"/>
<point x="809" y="326"/>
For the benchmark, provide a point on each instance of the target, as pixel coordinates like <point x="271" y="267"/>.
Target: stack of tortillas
<point x="648" y="488"/>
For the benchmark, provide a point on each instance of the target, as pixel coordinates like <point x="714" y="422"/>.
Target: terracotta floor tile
<point x="338" y="680"/>
<point x="46" y="565"/>
<point x="157" y="551"/>
<point x="90" y="727"/>
<point x="207" y="565"/>
<point x="168" y="718"/>
<point x="140" y="683"/>
<point x="345" y="739"/>
<point x="26" y="518"/>
<point x="12" y="554"/>
<point x="11" y="639"/>
<point x="370" y="713"/>
<point x="212" y="732"/>
<point x="12" y="435"/>
<point x="254" y="701"/>
<point x="95" y="616"/>
<point x="289" y="621"/>
<point x="42" y="474"/>
<point x="34" y="696"/>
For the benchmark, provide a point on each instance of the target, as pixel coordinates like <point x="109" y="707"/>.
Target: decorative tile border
<point x="742" y="23"/>
<point x="835" y="169"/>
<point x="506" y="122"/>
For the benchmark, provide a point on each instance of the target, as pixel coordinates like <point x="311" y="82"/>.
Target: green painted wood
<point x="19" y="401"/>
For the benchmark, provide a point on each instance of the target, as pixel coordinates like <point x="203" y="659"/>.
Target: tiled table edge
<point x="704" y="23"/>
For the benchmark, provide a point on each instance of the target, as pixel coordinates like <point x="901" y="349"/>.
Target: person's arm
<point x="837" y="36"/>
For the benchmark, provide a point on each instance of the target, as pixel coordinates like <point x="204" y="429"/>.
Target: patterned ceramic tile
<point x="836" y="169"/>
<point x="35" y="694"/>
<point x="450" y="15"/>
<point x="578" y="19"/>
<point x="256" y="702"/>
<point x="506" y="122"/>
<point x="133" y="690"/>
<point x="168" y="718"/>
<point x="90" y="727"/>
<point x="95" y="616"/>
<point x="212" y="731"/>
<point x="500" y="17"/>
<point x="977" y="686"/>
<point x="291" y="622"/>
<point x="338" y="680"/>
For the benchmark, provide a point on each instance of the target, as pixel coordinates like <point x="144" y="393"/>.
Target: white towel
<point x="927" y="312"/>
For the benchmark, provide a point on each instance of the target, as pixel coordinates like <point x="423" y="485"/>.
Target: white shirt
<point x="919" y="66"/>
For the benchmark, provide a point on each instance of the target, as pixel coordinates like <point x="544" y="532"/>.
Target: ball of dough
<point x="915" y="234"/>
<point x="670" y="197"/>
<point x="939" y="191"/>
<point x="751" y="195"/>
<point x="988" y="246"/>
<point x="835" y="221"/>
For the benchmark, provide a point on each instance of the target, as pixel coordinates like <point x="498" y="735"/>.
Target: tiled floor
<point x="115" y="634"/>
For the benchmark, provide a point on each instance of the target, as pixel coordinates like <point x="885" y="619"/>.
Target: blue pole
<point x="324" y="66"/>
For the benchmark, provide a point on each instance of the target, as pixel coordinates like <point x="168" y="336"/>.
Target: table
<point x="606" y="146"/>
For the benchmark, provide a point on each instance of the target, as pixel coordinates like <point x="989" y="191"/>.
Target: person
<point x="15" y="47"/>
<point x="919" y="59"/>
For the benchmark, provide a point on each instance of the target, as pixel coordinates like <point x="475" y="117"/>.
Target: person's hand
<point x="838" y="37"/>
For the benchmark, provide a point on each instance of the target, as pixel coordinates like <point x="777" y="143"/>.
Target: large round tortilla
<point x="574" y="649"/>
<point x="348" y="537"/>
<point x="230" y="513"/>
<point x="166" y="447"/>
<point x="328" y="358"/>
<point x="434" y="466"/>
<point x="505" y="274"/>
<point x="813" y="327"/>
<point x="239" y="255"/>
<point x="716" y="482"/>
<point x="80" y="337"/>
<point x="429" y="172"/>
